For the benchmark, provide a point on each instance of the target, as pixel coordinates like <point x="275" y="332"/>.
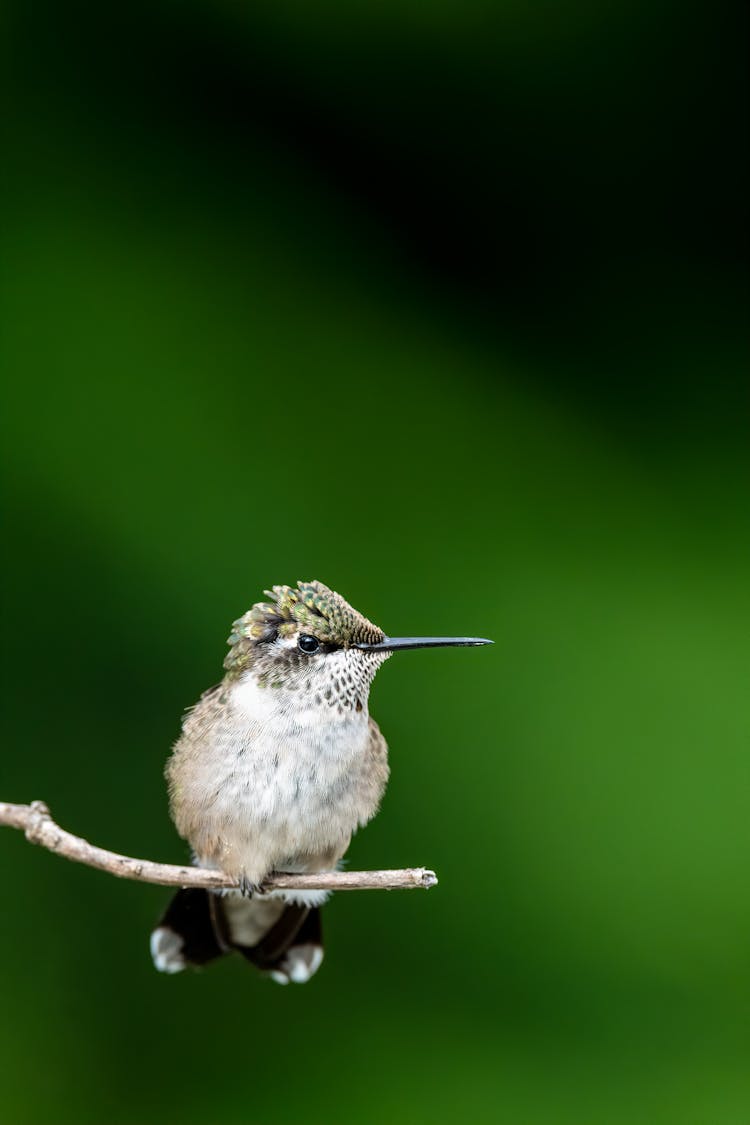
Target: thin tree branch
<point x="35" y="820"/>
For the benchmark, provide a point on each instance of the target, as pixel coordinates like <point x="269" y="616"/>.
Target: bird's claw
<point x="247" y="888"/>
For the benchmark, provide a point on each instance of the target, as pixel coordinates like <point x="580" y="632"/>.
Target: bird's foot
<point x="247" y="888"/>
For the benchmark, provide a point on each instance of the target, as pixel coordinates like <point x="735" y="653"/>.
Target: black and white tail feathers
<point x="281" y="939"/>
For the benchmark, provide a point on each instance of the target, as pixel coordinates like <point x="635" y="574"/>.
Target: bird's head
<point x="307" y="637"/>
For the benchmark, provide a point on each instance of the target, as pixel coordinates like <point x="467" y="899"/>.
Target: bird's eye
<point x="307" y="644"/>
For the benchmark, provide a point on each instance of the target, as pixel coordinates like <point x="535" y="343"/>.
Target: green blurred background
<point x="443" y="305"/>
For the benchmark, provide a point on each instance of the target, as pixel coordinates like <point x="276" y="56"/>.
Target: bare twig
<point x="40" y="828"/>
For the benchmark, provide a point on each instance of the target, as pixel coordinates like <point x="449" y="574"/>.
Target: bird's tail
<point x="282" y="939"/>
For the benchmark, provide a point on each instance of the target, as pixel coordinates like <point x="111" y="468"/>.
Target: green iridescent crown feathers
<point x="310" y="607"/>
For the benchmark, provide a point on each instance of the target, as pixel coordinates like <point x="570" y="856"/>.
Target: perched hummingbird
<point x="276" y="767"/>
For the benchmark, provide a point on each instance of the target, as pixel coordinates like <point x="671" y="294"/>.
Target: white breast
<point x="286" y="774"/>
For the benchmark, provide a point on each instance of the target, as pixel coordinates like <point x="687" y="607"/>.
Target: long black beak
<point x="392" y="644"/>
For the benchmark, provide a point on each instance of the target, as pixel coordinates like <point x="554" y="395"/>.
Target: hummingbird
<point x="275" y="769"/>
